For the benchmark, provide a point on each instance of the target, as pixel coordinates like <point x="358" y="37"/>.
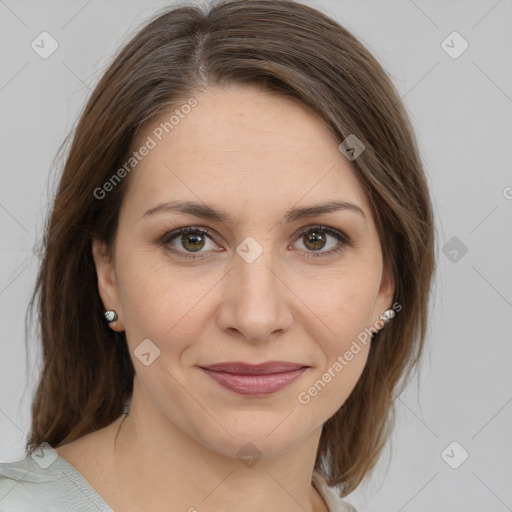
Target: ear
<point x="107" y="281"/>
<point x="385" y="294"/>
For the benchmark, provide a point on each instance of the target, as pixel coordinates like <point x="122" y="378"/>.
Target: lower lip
<point x="255" y="385"/>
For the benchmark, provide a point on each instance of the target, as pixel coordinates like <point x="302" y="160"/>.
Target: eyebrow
<point x="207" y="212"/>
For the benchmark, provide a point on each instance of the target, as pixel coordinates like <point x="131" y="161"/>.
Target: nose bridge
<point x="257" y="304"/>
<point x="254" y="270"/>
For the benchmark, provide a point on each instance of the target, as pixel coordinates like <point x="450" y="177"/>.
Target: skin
<point x="254" y="155"/>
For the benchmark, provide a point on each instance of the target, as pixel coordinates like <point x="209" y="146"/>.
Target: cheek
<point x="161" y="303"/>
<point x="345" y="305"/>
<point x="344" y="346"/>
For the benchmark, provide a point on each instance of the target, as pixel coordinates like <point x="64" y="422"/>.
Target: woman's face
<point x="251" y="287"/>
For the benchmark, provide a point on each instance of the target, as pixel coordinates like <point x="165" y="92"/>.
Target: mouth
<point x="254" y="379"/>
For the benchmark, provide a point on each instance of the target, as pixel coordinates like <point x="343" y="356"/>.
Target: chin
<point x="252" y="434"/>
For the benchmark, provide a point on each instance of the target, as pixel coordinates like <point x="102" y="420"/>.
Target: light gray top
<point x="46" y="482"/>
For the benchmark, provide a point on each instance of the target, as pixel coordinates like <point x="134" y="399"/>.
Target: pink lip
<point x="255" y="380"/>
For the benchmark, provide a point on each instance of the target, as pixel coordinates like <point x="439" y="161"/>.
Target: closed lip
<point x="241" y="368"/>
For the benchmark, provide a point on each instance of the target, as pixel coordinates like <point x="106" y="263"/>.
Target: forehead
<point x="242" y="145"/>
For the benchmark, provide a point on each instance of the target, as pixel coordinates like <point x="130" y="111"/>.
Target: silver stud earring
<point x="110" y="315"/>
<point x="387" y="315"/>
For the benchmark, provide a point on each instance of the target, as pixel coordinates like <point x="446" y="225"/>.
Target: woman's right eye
<point x="190" y="239"/>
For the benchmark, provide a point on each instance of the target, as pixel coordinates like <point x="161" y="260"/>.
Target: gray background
<point x="461" y="109"/>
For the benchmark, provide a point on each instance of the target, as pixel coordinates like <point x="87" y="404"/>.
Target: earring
<point x="110" y="315"/>
<point x="387" y="315"/>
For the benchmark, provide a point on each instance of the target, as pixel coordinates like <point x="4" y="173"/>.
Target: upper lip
<point x="239" y="367"/>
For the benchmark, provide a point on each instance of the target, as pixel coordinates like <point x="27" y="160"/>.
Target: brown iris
<point x="193" y="241"/>
<point x="316" y="239"/>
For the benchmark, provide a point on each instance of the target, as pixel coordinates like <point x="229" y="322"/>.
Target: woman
<point x="240" y="251"/>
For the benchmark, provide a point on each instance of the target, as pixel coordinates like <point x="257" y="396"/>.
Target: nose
<point x="255" y="303"/>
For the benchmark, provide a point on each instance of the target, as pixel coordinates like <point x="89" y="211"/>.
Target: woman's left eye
<point x="314" y="239"/>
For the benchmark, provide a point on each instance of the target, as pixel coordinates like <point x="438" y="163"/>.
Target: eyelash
<point x="342" y="239"/>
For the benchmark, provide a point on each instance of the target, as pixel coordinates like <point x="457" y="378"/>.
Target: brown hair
<point x="283" y="47"/>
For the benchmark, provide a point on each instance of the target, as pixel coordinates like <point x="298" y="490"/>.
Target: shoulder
<point x="43" y="481"/>
<point x="330" y="496"/>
